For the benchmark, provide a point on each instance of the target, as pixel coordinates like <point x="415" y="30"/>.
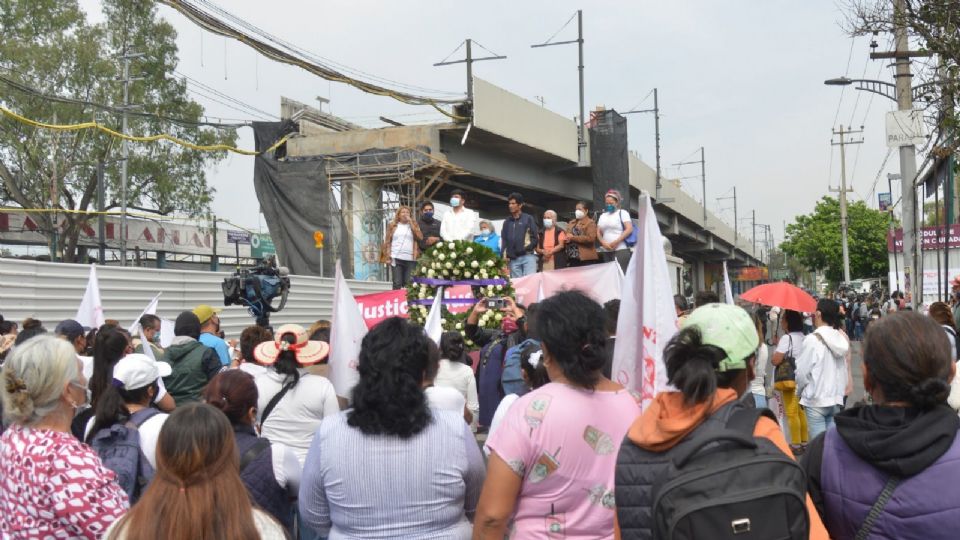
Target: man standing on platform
<point x="209" y="330"/>
<point x="429" y="226"/>
<point x="460" y="223"/>
<point x="519" y="238"/>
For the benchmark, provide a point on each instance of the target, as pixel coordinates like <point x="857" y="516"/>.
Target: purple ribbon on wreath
<point x="433" y="282"/>
<point x="449" y="301"/>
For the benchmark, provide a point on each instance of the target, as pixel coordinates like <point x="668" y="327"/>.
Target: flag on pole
<point x="166" y="332"/>
<point x="151" y="309"/>
<point x="147" y="349"/>
<point x="346" y="332"/>
<point x="647" y="316"/>
<point x="728" y="293"/>
<point x="90" y="312"/>
<point x="434" y="323"/>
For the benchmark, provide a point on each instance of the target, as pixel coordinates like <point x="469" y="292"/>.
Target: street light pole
<point x="908" y="154"/>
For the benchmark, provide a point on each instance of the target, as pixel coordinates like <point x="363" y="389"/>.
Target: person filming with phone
<point x="494" y="345"/>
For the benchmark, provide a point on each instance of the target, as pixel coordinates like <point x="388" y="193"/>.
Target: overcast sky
<point x="742" y="78"/>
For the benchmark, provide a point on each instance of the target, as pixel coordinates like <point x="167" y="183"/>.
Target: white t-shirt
<point x="254" y="369"/>
<point x="297" y="416"/>
<point x="268" y="527"/>
<point x="445" y="399"/>
<point x="785" y="341"/>
<point x="460" y="377"/>
<point x="756" y="385"/>
<point x="498" y="415"/>
<point x="402" y="245"/>
<point x="286" y="467"/>
<point x="612" y="225"/>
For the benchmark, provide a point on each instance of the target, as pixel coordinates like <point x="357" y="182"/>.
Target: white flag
<point x="647" y="316"/>
<point x="434" y="323"/>
<point x="166" y="332"/>
<point x="147" y="349"/>
<point x="151" y="309"/>
<point x="90" y="312"/>
<point x="346" y="333"/>
<point x="726" y="285"/>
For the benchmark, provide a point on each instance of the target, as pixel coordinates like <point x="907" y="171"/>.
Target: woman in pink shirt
<point x="551" y="468"/>
<point x="51" y="484"/>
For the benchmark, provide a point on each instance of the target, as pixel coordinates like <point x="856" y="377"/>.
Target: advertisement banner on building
<point x="933" y="238"/>
<point x="885" y="201"/>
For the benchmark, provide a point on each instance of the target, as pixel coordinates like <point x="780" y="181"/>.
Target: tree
<point x="814" y="240"/>
<point x="51" y="49"/>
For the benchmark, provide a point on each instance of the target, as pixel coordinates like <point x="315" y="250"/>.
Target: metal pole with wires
<point x="469" y="60"/>
<point x="581" y="135"/>
<point x="656" y="127"/>
<point x="125" y="152"/>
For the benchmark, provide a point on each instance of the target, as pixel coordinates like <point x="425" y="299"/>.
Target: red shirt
<point x="54" y="486"/>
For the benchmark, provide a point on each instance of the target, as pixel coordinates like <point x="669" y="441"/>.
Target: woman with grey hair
<point x="488" y="236"/>
<point x="51" y="484"/>
<point x="550" y="245"/>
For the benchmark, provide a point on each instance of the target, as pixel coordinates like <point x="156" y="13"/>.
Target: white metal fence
<point x="52" y="292"/>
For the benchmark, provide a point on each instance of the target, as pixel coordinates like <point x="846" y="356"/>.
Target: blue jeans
<point x="523" y="266"/>
<point x="760" y="400"/>
<point x="819" y="419"/>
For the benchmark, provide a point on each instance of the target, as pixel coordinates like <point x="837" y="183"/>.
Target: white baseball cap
<point x="135" y="371"/>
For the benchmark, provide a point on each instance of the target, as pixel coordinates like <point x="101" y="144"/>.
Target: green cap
<point x="729" y="328"/>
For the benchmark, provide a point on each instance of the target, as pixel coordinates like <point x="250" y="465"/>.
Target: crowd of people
<point x="527" y="245"/>
<point x="111" y="436"/>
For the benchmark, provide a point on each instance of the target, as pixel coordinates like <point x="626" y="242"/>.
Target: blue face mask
<point x="485" y="232"/>
<point x="428" y="216"/>
<point x="611" y="208"/>
<point x="455" y="202"/>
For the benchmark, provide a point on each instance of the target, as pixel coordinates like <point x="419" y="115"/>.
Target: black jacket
<point x="519" y="236"/>
<point x="428" y="229"/>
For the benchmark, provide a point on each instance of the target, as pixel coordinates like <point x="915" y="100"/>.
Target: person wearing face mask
<point x="488" y="237"/>
<point x="151" y="330"/>
<point x="51" y="484"/>
<point x="581" y="238"/>
<point x="210" y="331"/>
<point x="615" y="227"/>
<point x="460" y="222"/>
<point x="429" y="226"/>
<point x="494" y="346"/>
<point x="400" y="247"/>
<point x="550" y="247"/>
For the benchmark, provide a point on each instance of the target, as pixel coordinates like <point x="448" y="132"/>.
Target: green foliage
<point x="50" y="46"/>
<point x="814" y="240"/>
<point x="458" y="261"/>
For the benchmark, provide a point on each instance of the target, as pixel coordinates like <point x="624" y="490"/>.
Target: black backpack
<point x="728" y="484"/>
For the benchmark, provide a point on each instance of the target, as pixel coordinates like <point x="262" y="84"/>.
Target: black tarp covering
<point x="609" y="158"/>
<point x="296" y="201"/>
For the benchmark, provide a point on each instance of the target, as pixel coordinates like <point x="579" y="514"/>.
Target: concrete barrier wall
<point x="52" y="292"/>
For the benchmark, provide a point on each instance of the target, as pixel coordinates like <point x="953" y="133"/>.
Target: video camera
<point x="256" y="288"/>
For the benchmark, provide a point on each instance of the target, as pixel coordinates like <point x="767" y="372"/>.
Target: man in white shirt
<point x="460" y="223"/>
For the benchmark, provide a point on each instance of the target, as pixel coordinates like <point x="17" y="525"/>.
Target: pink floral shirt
<point x="53" y="486"/>
<point x="563" y="442"/>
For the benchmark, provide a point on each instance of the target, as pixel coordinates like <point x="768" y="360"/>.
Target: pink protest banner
<point x="376" y="307"/>
<point x="602" y="282"/>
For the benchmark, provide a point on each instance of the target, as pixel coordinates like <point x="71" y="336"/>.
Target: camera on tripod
<point x="257" y="287"/>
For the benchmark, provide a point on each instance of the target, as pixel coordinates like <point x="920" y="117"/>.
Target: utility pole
<point x="703" y="180"/>
<point x="908" y="154"/>
<point x="736" y="220"/>
<point x="469" y="60"/>
<point x="893" y="236"/>
<point x="581" y="136"/>
<point x="125" y="153"/>
<point x="843" y="196"/>
<point x="656" y="126"/>
<point x="54" y="217"/>
<point x="101" y="226"/>
<point x="753" y="235"/>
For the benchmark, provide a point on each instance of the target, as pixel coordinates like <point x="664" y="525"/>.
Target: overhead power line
<point x="291" y="56"/>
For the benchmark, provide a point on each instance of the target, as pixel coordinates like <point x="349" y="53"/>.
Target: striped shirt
<point x="357" y="486"/>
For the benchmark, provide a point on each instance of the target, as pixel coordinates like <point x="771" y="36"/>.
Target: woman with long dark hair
<point x="291" y="401"/>
<point x="269" y="470"/>
<point x="197" y="492"/>
<point x="392" y="467"/>
<point x="110" y="346"/>
<point x="128" y="401"/>
<point x="552" y="458"/>
<point x="897" y="459"/>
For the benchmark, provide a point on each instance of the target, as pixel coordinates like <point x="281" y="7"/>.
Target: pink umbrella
<point x="783" y="295"/>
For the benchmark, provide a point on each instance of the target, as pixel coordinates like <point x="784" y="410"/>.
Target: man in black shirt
<point x="429" y="226"/>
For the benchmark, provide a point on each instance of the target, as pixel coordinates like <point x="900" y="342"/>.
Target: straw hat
<point x="307" y="352"/>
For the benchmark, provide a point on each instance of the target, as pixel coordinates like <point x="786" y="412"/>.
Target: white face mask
<point x="455" y="202"/>
<point x="485" y="232"/>
<point x="548" y="223"/>
<point x="580" y="214"/>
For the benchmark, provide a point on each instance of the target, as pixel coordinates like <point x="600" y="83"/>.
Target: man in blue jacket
<point x="519" y="238"/>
